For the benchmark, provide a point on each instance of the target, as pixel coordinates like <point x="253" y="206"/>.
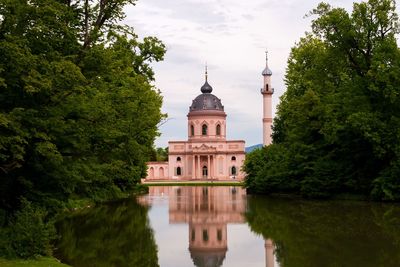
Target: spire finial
<point x="266" y="71"/>
<point x="206" y="88"/>
<point x="206" y="72"/>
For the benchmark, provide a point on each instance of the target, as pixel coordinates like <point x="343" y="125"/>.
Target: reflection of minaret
<point x="267" y="92"/>
<point x="269" y="253"/>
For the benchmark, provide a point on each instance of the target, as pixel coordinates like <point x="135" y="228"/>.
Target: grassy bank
<point x="39" y="262"/>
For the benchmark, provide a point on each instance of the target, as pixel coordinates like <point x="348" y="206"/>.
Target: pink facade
<point x="157" y="170"/>
<point x="207" y="154"/>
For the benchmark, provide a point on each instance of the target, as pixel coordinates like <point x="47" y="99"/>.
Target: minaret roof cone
<point x="266" y="71"/>
<point x="206" y="88"/>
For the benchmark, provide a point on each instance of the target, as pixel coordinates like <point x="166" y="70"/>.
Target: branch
<point x="6" y="168"/>
<point x="163" y="122"/>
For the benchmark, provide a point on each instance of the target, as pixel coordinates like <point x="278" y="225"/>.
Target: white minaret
<point x="267" y="92"/>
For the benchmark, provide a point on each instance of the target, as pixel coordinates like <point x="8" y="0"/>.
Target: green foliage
<point x="160" y="154"/>
<point x="39" y="262"/>
<point x="116" y="234"/>
<point x="78" y="112"/>
<point x="337" y="126"/>
<point x="327" y="233"/>
<point x="29" y="234"/>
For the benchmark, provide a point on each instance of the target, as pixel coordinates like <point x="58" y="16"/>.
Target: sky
<point x="232" y="37"/>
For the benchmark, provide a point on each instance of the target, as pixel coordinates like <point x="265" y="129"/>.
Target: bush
<point x="28" y="235"/>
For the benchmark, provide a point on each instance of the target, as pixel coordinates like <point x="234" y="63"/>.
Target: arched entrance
<point x="205" y="171"/>
<point x="233" y="170"/>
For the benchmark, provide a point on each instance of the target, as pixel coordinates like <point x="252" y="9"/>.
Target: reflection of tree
<point x="332" y="233"/>
<point x="117" y="234"/>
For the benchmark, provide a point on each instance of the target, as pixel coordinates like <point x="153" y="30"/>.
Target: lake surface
<point x="221" y="226"/>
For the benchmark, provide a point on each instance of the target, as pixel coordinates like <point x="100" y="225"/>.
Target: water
<point x="222" y="226"/>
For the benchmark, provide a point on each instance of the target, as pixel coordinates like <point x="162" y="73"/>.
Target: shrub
<point x="28" y="235"/>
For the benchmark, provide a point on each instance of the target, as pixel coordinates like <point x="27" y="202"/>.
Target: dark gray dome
<point x="208" y="258"/>
<point x="266" y="72"/>
<point x="206" y="101"/>
<point x="206" y="88"/>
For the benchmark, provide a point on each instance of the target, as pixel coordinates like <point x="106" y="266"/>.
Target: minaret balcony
<point x="264" y="91"/>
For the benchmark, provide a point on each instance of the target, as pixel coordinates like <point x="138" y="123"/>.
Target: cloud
<point x="231" y="35"/>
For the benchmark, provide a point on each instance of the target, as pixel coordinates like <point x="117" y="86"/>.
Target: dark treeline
<point x="78" y="112"/>
<point x="337" y="128"/>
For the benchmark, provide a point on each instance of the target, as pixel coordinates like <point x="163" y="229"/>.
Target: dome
<point x="208" y="258"/>
<point x="267" y="72"/>
<point x="206" y="101"/>
<point x="206" y="88"/>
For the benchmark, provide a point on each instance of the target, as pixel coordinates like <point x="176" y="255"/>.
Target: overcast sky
<point x="231" y="36"/>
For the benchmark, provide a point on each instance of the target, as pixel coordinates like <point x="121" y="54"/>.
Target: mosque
<point x="207" y="154"/>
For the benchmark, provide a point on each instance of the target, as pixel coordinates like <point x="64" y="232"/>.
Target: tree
<point x="339" y="118"/>
<point x="78" y="111"/>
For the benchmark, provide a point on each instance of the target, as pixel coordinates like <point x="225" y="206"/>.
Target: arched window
<point x="204" y="129"/>
<point x="233" y="170"/>
<point x="191" y="130"/>
<point x="233" y="158"/>
<point x="193" y="235"/>
<point x="179" y="171"/>
<point x="205" y="235"/>
<point x="178" y="159"/>
<point x="218" y="130"/>
<point x="219" y="235"/>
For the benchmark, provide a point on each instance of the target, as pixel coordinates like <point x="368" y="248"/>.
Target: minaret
<point x="267" y="92"/>
<point x="269" y="253"/>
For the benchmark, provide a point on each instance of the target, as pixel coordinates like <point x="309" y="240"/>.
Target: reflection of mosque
<point x="208" y="210"/>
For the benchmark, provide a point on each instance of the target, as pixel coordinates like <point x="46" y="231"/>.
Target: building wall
<point x="211" y="121"/>
<point x="157" y="170"/>
<point x="225" y="155"/>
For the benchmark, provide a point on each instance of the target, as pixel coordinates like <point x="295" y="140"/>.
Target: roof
<point x="267" y="72"/>
<point x="206" y="101"/>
